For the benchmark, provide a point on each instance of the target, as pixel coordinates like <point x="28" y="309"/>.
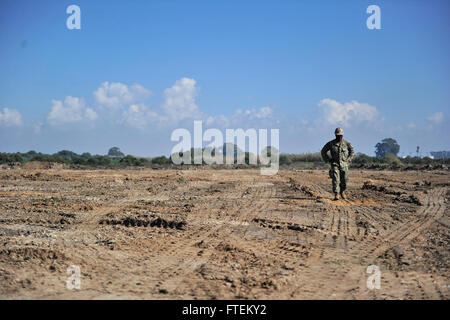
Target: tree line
<point x="386" y="154"/>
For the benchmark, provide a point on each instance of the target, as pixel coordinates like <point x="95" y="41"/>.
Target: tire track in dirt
<point x="188" y="250"/>
<point x="433" y="210"/>
<point x="136" y="194"/>
<point x="222" y="239"/>
<point x="122" y="203"/>
<point x="282" y="252"/>
<point x="340" y="226"/>
<point x="330" y="267"/>
<point x="369" y="250"/>
<point x="407" y="231"/>
<point x="179" y="259"/>
<point x="321" y="273"/>
<point x="372" y="247"/>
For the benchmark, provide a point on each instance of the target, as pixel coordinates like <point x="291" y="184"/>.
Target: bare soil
<point x="222" y="234"/>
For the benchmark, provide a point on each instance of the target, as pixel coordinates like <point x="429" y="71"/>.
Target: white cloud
<point x="179" y="100"/>
<point x="37" y="128"/>
<point x="116" y="94"/>
<point x="412" y="125"/>
<point x="261" y="113"/>
<point x="72" y="110"/>
<point x="354" y="111"/>
<point x="240" y="117"/>
<point x="139" y="116"/>
<point x="90" y="114"/>
<point x="118" y="103"/>
<point x="264" y="112"/>
<point x="219" y="121"/>
<point x="436" y="118"/>
<point x="10" y="118"/>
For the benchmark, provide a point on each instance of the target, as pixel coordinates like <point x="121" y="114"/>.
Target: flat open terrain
<point x="222" y="234"/>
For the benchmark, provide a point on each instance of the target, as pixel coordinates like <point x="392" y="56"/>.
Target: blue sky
<point x="136" y="70"/>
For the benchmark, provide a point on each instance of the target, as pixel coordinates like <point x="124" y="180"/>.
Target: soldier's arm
<point x="351" y="152"/>
<point x="324" y="152"/>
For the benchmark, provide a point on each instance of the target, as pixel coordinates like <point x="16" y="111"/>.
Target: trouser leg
<point x="335" y="177"/>
<point x="343" y="179"/>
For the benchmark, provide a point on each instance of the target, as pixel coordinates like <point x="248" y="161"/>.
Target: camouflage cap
<point x="339" y="132"/>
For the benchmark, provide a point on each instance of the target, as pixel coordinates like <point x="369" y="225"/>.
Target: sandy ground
<point x="222" y="234"/>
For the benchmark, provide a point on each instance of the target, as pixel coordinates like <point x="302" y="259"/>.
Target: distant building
<point x="440" y="154"/>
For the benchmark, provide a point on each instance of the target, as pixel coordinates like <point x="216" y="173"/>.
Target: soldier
<point x="339" y="161"/>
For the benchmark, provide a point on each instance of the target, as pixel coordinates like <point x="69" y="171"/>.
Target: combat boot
<point x="335" y="196"/>
<point x="343" y="195"/>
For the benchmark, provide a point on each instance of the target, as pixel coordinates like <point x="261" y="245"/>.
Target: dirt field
<point x="222" y="234"/>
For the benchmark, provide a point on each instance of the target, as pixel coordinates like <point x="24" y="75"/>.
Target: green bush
<point x="115" y="152"/>
<point x="297" y="160"/>
<point x="391" y="159"/>
<point x="10" y="157"/>
<point x="49" y="158"/>
<point x="161" y="160"/>
<point x="362" y="158"/>
<point x="424" y="160"/>
<point x="284" y="159"/>
<point x="304" y="157"/>
<point x="130" y="160"/>
<point x="99" y="161"/>
<point x="66" y="154"/>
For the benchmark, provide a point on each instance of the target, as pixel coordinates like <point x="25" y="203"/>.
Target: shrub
<point x="362" y="158"/>
<point x="161" y="160"/>
<point x="130" y="160"/>
<point x="391" y="159"/>
<point x="10" y="157"/>
<point x="99" y="161"/>
<point x="284" y="159"/>
<point x="115" y="152"/>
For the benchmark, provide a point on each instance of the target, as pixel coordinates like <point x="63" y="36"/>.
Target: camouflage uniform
<point x="339" y="162"/>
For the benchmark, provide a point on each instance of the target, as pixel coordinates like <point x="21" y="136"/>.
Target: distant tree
<point x="30" y="154"/>
<point x="10" y="157"/>
<point x="130" y="160"/>
<point x="233" y="148"/>
<point x="160" y="160"/>
<point x="66" y="154"/>
<point x="362" y="158"/>
<point x="269" y="150"/>
<point x="250" y="158"/>
<point x="284" y="159"/>
<point x="99" y="160"/>
<point x="386" y="146"/>
<point x="391" y="159"/>
<point x="115" y="152"/>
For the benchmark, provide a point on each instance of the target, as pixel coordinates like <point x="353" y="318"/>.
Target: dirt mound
<point x="401" y="196"/>
<point x="30" y="253"/>
<point x="152" y="221"/>
<point x="369" y="185"/>
<point x="310" y="191"/>
<point x="409" y="199"/>
<point x="278" y="225"/>
<point x="38" y="165"/>
<point x="400" y="167"/>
